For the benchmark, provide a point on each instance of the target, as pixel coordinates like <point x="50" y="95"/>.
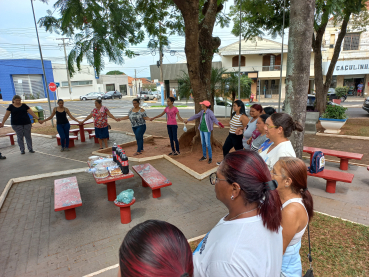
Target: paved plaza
<point x="37" y="241"/>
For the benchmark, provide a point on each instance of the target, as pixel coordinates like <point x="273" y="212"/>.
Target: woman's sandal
<point x="137" y="153"/>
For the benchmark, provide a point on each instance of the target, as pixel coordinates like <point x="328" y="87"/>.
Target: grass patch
<point x="339" y="248"/>
<point x="161" y="106"/>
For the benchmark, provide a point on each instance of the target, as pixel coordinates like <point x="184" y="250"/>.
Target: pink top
<point x="100" y="117"/>
<point x="171" y="115"/>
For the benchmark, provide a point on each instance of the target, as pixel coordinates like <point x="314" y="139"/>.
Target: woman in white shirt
<point x="297" y="210"/>
<point x="248" y="240"/>
<point x="278" y="128"/>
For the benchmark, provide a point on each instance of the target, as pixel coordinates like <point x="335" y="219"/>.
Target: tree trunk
<point x="298" y="65"/>
<point x="199" y="49"/>
<point x="321" y="86"/>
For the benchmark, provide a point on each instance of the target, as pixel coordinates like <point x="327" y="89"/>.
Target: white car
<point x="91" y="96"/>
<point x="146" y="95"/>
<point x="222" y="108"/>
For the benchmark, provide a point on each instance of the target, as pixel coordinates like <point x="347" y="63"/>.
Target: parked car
<point x="366" y="104"/>
<point x="311" y="100"/>
<point x="146" y="95"/>
<point x="332" y="95"/>
<point x="223" y="107"/>
<point x="112" y="95"/>
<point x="91" y="96"/>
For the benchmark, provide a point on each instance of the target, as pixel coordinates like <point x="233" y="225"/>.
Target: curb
<point x="342" y="136"/>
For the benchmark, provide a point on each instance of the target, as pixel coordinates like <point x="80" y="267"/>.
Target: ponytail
<point x="270" y="210"/>
<point x="307" y="199"/>
<point x="287" y="123"/>
<point x="297" y="126"/>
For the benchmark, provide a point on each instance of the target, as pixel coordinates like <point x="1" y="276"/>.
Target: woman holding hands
<point x="207" y="120"/>
<point x="100" y="114"/>
<point x="62" y="123"/>
<point x="137" y="116"/>
<point x="172" y="112"/>
<point x="20" y="121"/>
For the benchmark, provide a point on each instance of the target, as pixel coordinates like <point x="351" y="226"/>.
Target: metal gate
<point x="110" y="87"/>
<point x="29" y="86"/>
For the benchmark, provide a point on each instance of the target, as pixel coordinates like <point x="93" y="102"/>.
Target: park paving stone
<point x="36" y="241"/>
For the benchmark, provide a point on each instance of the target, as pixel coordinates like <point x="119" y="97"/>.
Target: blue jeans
<point x="205" y="142"/>
<point x="63" y="130"/>
<point x="291" y="262"/>
<point x="172" y="132"/>
<point x="139" y="133"/>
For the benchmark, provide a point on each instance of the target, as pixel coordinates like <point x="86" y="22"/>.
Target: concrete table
<point x="81" y="127"/>
<point x="110" y="183"/>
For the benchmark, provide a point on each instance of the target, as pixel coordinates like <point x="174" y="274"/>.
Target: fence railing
<point x="271" y="68"/>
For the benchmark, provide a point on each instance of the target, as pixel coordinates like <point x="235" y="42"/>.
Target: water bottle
<point x="125" y="164"/>
<point x="114" y="149"/>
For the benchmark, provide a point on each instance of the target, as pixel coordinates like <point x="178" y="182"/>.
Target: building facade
<point x="25" y="77"/>
<point x="261" y="61"/>
<point x="83" y="81"/>
<point x="352" y="67"/>
<point x="114" y="82"/>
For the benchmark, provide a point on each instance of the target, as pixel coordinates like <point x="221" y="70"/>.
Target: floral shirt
<point x="100" y="117"/>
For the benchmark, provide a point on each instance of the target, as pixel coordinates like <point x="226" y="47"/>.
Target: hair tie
<point x="185" y="275"/>
<point x="273" y="184"/>
<point x="303" y="190"/>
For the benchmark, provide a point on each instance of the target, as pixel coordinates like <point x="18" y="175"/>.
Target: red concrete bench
<point x="11" y="136"/>
<point x="125" y="211"/>
<point x="344" y="156"/>
<point x="74" y="131"/>
<point x="93" y="136"/>
<point x="67" y="196"/>
<point x="151" y="178"/>
<point x="332" y="177"/>
<point x="89" y="130"/>
<point x="71" y="140"/>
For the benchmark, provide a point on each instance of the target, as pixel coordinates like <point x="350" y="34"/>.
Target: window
<point x="351" y="42"/>
<point x="235" y="61"/>
<point x="77" y="83"/>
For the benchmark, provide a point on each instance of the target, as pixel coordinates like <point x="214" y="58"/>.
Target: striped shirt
<point x="235" y="123"/>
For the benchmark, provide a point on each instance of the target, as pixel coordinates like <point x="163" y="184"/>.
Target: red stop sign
<point x="52" y="87"/>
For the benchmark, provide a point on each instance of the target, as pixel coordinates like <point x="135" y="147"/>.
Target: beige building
<point x="352" y="67"/>
<point x="261" y="61"/>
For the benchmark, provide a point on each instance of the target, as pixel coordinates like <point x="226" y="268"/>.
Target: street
<point x="120" y="108"/>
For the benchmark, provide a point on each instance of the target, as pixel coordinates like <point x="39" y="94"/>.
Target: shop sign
<point x="349" y="67"/>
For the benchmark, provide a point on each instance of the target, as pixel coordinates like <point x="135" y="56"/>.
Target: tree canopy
<point x="115" y="72"/>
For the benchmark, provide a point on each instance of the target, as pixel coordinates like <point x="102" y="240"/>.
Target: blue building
<point x="24" y="77"/>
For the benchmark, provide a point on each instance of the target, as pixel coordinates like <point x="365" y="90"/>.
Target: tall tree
<point x="298" y="65"/>
<point x="107" y="27"/>
<point x="265" y="16"/>
<point x="115" y="72"/>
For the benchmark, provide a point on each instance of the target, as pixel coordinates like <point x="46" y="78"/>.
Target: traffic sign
<point x="57" y="84"/>
<point x="52" y="86"/>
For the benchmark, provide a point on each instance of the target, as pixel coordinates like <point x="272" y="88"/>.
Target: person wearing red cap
<point x="207" y="120"/>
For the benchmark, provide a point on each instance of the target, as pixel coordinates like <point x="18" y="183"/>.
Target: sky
<point x="18" y="39"/>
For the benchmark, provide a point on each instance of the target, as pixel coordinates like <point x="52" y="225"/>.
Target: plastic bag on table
<point x="125" y="196"/>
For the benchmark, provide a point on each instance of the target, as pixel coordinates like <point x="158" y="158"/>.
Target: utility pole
<point x="161" y="57"/>
<point x="280" y="77"/>
<point x="66" y="65"/>
<point x="239" y="60"/>
<point x="42" y="62"/>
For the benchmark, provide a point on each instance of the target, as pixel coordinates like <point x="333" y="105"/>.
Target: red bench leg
<point x="311" y="157"/>
<point x="58" y="141"/>
<point x="125" y="215"/>
<point x="112" y="193"/>
<point x="70" y="214"/>
<point x="331" y="186"/>
<point x="156" y="193"/>
<point x="11" y="140"/>
<point x="96" y="140"/>
<point x="344" y="164"/>
<point x="71" y="143"/>
<point x="144" y="184"/>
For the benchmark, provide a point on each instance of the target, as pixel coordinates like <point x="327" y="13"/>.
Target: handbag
<point x="309" y="272"/>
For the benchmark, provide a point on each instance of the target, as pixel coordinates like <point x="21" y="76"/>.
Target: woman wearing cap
<point x="172" y="112"/>
<point x="297" y="210"/>
<point x="207" y="120"/>
<point x="248" y="240"/>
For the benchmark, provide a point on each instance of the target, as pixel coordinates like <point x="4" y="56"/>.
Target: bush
<point x="341" y="91"/>
<point x="335" y="112"/>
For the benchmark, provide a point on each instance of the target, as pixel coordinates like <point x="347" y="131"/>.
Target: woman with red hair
<point x="155" y="248"/>
<point x="297" y="210"/>
<point x="248" y="240"/>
